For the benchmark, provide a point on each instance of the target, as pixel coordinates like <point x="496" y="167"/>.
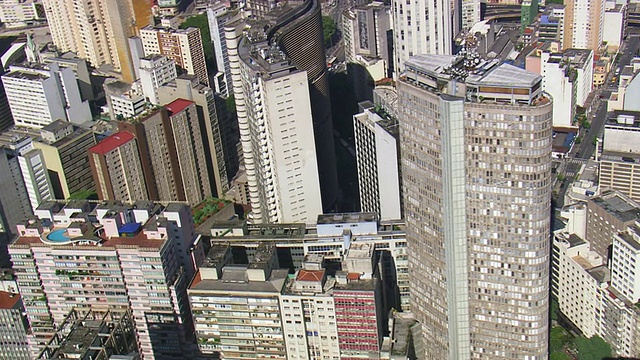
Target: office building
<point x="93" y="256"/>
<point x="615" y="26"/>
<point x="608" y="214"/>
<point x="568" y="78"/>
<point x="93" y="335"/>
<point x="551" y="24"/>
<point x="117" y="170"/>
<point x="584" y="24"/>
<point x="424" y="27"/>
<point x="79" y="67"/>
<point x="581" y="61"/>
<point x="560" y="82"/>
<point x="620" y="159"/>
<point x="155" y="71"/>
<point x="476" y="156"/>
<point x="171" y="147"/>
<point x="14" y="203"/>
<point x="221" y="131"/>
<point x="366" y="32"/>
<point x="251" y="299"/>
<point x="98" y="30"/>
<point x="184" y="46"/>
<point x="13" y="327"/>
<point x="27" y="167"/>
<point x="64" y="147"/>
<point x="16" y="13"/>
<point x="277" y="135"/>
<point x="377" y="141"/>
<point x="40" y="95"/>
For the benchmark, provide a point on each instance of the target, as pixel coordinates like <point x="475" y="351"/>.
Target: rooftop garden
<point x="206" y="209"/>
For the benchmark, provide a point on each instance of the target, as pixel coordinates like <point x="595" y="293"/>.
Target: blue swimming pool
<point x="58" y="236"/>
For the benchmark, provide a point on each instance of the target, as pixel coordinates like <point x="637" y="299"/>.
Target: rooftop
<point x="310" y="275"/>
<point x="26" y="75"/>
<point x="578" y="57"/>
<point x="486" y="72"/>
<point x="177" y="106"/>
<point x="344" y="218"/>
<point x="618" y="205"/>
<point x="629" y="239"/>
<point x="112" y="142"/>
<point x="234" y="280"/>
<point x="8" y="300"/>
<point x="57" y="126"/>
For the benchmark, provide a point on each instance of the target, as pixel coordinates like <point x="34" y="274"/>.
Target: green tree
<point x="553" y="309"/>
<point x="559" y="355"/>
<point x="558" y="338"/>
<point x="201" y="22"/>
<point x="329" y="29"/>
<point x="593" y="348"/>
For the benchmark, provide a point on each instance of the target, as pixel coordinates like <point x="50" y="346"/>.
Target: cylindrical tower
<point x="299" y="34"/>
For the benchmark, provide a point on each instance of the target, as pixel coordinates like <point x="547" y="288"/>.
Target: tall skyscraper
<point x="280" y="151"/>
<point x="157" y="148"/>
<point x="476" y="170"/>
<point x="171" y="148"/>
<point x="190" y="150"/>
<point x="299" y="35"/>
<point x="424" y="27"/>
<point x="584" y="24"/>
<point x="98" y="30"/>
<point x="297" y="31"/>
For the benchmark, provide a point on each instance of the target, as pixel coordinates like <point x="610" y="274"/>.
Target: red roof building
<point x="178" y="105"/>
<point x="117" y="169"/>
<point x="112" y="142"/>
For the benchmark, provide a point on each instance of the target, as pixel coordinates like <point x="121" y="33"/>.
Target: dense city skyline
<point x="319" y="180"/>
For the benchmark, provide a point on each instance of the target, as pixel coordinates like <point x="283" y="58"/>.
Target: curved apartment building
<point x="476" y="165"/>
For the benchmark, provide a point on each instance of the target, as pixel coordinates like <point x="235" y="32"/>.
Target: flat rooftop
<point x="343" y="218"/>
<point x="618" y="205"/>
<point x="488" y="72"/>
<point x="234" y="280"/>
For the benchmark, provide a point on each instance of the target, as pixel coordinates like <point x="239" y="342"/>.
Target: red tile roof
<point x="177" y="105"/>
<point x="353" y="276"/>
<point x="112" y="142"/>
<point x="310" y="275"/>
<point x="8" y="300"/>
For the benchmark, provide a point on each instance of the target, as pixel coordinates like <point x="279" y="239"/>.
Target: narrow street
<point x="582" y="152"/>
